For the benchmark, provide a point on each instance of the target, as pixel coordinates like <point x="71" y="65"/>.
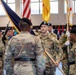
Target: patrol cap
<point x="49" y="24"/>
<point x="26" y="20"/>
<point x="73" y="31"/>
<point x="43" y="23"/>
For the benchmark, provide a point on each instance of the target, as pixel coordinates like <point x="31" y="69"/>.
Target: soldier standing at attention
<point x="51" y="45"/>
<point x="50" y="29"/>
<point x="25" y="49"/>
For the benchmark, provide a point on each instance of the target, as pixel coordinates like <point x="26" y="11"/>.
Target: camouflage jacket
<point x="62" y="40"/>
<point x="21" y="45"/>
<point x="53" y="34"/>
<point x="1" y="45"/>
<point x="2" y="48"/>
<point x="51" y="44"/>
<point x="72" y="56"/>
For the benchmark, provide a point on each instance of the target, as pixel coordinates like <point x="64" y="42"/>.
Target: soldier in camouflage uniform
<point x="51" y="45"/>
<point x="72" y="55"/>
<point x="62" y="40"/>
<point x="23" y="52"/>
<point x="1" y="53"/>
<point x="50" y="28"/>
<point x="65" y="45"/>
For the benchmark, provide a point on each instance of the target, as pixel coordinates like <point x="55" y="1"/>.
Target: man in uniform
<point x="51" y="45"/>
<point x="9" y="33"/>
<point x="1" y="53"/>
<point x="23" y="52"/>
<point x="72" y="54"/>
<point x="50" y="29"/>
<point x="62" y="41"/>
<point x="64" y="44"/>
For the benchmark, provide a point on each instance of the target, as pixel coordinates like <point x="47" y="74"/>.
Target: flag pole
<point x="67" y="18"/>
<point x="67" y="14"/>
<point x="54" y="62"/>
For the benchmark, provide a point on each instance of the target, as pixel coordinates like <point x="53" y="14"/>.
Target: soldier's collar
<point x="24" y="32"/>
<point x="44" y="37"/>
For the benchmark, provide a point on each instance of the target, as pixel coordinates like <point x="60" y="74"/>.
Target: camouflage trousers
<point x="24" y="68"/>
<point x="50" y="69"/>
<point x="1" y="67"/>
<point x="72" y="69"/>
<point x="65" y="68"/>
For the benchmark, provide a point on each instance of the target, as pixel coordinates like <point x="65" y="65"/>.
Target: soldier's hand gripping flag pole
<point x="54" y="62"/>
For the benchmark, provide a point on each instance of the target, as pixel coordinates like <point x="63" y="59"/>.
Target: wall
<point x="55" y="19"/>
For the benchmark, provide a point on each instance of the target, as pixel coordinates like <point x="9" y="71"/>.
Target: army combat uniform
<point x="26" y="50"/>
<point x="73" y="58"/>
<point x="65" y="59"/>
<point x="51" y="45"/>
<point x="62" y="40"/>
<point x="53" y="34"/>
<point x="1" y="56"/>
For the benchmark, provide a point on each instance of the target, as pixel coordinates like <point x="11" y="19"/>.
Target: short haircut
<point x="24" y="22"/>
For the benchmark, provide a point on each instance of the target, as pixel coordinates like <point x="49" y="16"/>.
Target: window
<point x="11" y="4"/>
<point x="53" y="6"/>
<point x="36" y="6"/>
<point x="34" y="0"/>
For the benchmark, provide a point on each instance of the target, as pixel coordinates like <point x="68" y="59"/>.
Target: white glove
<point x="67" y="33"/>
<point x="67" y="43"/>
<point x="4" y="71"/>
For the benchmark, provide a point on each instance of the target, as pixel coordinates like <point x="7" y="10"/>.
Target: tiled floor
<point x="58" y="72"/>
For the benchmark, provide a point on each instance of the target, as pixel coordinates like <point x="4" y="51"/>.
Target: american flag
<point x="26" y="9"/>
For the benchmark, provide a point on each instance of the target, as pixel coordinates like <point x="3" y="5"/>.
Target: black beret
<point x="73" y="31"/>
<point x="49" y="24"/>
<point x="9" y="28"/>
<point x="43" y="23"/>
<point x="0" y="30"/>
<point x="27" y="21"/>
